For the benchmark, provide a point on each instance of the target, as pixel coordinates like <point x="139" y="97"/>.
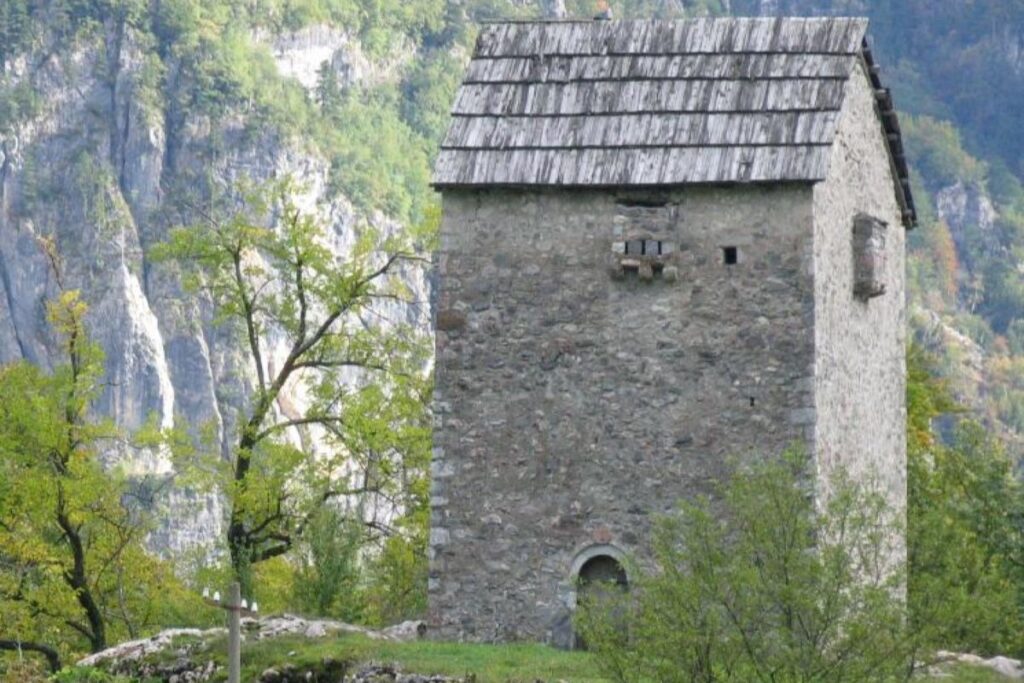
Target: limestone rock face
<point x="101" y="170"/>
<point x="971" y="217"/>
<point x="304" y="53"/>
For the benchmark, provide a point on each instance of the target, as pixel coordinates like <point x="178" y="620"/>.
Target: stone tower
<point x="664" y="244"/>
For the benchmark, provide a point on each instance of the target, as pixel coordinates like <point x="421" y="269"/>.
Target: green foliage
<point x="16" y="30"/>
<point x="1004" y="292"/>
<point x="964" y="535"/>
<point x="480" y="663"/>
<point x="1006" y="188"/>
<point x="392" y="174"/>
<point x="268" y="272"/>
<point x="85" y="674"/>
<point x="397" y="588"/>
<point x="224" y="70"/>
<point x="73" y="571"/>
<point x="428" y="91"/>
<point x="977" y="328"/>
<point x="938" y="152"/>
<point x="644" y="9"/>
<point x="1015" y="336"/>
<point x="327" y="573"/>
<point x="766" y="585"/>
<point x="18" y="103"/>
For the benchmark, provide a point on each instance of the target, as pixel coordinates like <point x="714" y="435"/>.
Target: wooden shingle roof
<point x="652" y="103"/>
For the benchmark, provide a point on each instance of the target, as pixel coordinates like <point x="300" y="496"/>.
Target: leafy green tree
<point x="267" y="269"/>
<point x="327" y="573"/>
<point x="397" y="585"/>
<point x="73" y="570"/>
<point x="965" y="536"/>
<point x="763" y="585"/>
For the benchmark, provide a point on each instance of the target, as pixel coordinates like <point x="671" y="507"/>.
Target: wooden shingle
<point x="652" y="103"/>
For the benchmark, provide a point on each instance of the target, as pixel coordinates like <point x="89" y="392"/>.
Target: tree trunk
<point x="77" y="580"/>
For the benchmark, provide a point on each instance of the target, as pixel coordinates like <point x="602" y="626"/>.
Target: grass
<point x="515" y="663"/>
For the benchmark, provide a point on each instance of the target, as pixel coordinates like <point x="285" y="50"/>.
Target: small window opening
<point x="730" y="255"/>
<point x="751" y="401"/>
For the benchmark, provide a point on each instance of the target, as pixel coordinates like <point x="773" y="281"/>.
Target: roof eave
<point x="893" y="137"/>
<point x="442" y="186"/>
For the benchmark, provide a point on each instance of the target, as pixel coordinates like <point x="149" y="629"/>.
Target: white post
<point x="234" y="608"/>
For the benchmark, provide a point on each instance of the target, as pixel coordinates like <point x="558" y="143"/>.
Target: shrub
<point x="327" y="573"/>
<point x="762" y="585"/>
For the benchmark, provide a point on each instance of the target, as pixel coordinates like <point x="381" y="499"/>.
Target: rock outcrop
<point x="971" y="217"/>
<point x="1010" y="668"/>
<point x="184" y="655"/>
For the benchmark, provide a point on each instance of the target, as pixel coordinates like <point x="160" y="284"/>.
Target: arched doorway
<point x="601" y="579"/>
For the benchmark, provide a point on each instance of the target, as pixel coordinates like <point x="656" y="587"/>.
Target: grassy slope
<point x="487" y="663"/>
<point x="518" y="663"/>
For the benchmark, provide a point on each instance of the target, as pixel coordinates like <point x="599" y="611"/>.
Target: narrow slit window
<point x="730" y="256"/>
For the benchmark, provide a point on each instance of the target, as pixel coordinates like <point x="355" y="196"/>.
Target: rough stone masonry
<point x="721" y="285"/>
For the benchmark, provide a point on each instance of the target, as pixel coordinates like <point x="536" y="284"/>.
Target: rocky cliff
<point x="106" y="163"/>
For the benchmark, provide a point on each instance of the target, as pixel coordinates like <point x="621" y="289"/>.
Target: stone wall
<point x="573" y="407"/>
<point x="860" y="344"/>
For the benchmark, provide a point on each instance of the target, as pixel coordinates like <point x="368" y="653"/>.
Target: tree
<point x="965" y="527"/>
<point x="270" y="275"/>
<point x="327" y="573"/>
<point x="72" y="564"/>
<point x="767" y="584"/>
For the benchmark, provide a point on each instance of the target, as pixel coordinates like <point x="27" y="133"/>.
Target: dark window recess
<point x="645" y="248"/>
<point x="730" y="255"/>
